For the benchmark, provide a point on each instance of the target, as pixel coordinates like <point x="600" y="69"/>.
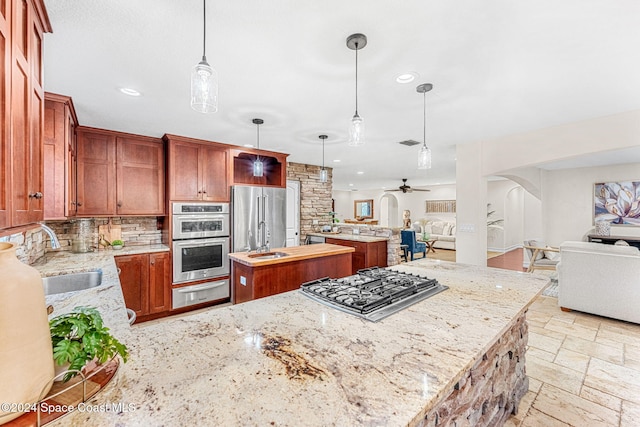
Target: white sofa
<point x="600" y="279"/>
<point x="444" y="231"/>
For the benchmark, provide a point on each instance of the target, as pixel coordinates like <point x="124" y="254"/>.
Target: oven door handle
<point x="204" y="287"/>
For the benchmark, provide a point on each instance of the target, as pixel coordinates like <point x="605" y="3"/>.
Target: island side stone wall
<point x="491" y="390"/>
<point x="315" y="197"/>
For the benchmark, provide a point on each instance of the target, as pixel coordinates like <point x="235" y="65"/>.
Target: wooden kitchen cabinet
<point x="145" y="282"/>
<point x="275" y="168"/>
<point x="119" y="174"/>
<point x="22" y="25"/>
<point x="197" y="170"/>
<point x="367" y="254"/>
<point x="60" y="160"/>
<point x="139" y="176"/>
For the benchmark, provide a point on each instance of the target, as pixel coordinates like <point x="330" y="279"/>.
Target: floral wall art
<point x="617" y="203"/>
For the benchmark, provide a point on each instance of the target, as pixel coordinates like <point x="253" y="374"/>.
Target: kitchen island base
<point x="253" y="278"/>
<point x="490" y="391"/>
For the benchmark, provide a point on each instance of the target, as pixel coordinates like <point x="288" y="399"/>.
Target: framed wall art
<point x="617" y="203"/>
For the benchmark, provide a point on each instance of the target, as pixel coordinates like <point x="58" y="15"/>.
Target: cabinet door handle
<point x="152" y="262"/>
<point x="119" y="204"/>
<point x="79" y="203"/>
<point x="119" y="271"/>
<point x="37" y="195"/>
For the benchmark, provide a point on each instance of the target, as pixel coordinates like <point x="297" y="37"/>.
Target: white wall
<point x="415" y="202"/>
<point x="567" y="202"/>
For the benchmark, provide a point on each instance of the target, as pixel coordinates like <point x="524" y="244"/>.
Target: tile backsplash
<point x="31" y="245"/>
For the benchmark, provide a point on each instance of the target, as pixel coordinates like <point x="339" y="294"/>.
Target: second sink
<point x="71" y="282"/>
<point x="268" y="255"/>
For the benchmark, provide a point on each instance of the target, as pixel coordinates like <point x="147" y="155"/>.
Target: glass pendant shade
<point x="204" y="88"/>
<point x="324" y="175"/>
<point x="258" y="167"/>
<point x="356" y="131"/>
<point x="424" y="158"/>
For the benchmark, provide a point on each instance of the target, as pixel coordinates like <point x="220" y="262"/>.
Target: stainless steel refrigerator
<point x="259" y="218"/>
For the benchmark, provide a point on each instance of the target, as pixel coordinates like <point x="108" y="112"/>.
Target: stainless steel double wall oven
<point x="200" y="251"/>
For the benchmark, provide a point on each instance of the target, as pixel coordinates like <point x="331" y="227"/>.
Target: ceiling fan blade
<point x="419" y="189"/>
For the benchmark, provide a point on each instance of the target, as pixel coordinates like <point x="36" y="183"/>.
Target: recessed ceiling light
<point x="350" y="185"/>
<point x="407" y="77"/>
<point x="359" y="172"/>
<point x="129" y="91"/>
<point x="337" y="161"/>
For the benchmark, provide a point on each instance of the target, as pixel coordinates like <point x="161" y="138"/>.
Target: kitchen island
<point x="370" y="251"/>
<point x="288" y="360"/>
<point x="259" y="275"/>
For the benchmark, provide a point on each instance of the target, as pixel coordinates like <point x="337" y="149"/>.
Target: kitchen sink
<point x="71" y="282"/>
<point x="268" y="255"/>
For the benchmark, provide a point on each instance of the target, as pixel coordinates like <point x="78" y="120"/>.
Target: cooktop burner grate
<point x="372" y="293"/>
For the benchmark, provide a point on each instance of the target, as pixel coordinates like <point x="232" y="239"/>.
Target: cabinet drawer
<point x="200" y="293"/>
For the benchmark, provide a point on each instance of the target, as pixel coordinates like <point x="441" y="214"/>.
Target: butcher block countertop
<point x="351" y="237"/>
<point x="294" y="253"/>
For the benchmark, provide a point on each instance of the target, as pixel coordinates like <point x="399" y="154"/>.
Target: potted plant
<point x="79" y="337"/>
<point x="117" y="244"/>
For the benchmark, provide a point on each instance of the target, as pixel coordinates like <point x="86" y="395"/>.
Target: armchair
<point x="409" y="238"/>
<point x="541" y="256"/>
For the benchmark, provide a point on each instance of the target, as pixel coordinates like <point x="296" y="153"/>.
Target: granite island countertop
<point x="288" y="360"/>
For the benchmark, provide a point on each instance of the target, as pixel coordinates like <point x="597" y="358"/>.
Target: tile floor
<point x="583" y="370"/>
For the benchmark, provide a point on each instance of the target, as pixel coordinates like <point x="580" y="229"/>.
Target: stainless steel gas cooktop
<point x="372" y="293"/>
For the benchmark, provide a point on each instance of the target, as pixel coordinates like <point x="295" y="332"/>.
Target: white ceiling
<point x="498" y="67"/>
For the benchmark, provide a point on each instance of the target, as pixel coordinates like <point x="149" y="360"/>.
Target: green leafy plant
<point x="79" y="337"/>
<point x="117" y="243"/>
<point x="491" y="222"/>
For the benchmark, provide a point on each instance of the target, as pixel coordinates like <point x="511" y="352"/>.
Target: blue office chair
<point x="415" y="247"/>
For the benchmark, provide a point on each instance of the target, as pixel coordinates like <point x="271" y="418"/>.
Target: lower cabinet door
<point x="134" y="280"/>
<point x="159" y="282"/>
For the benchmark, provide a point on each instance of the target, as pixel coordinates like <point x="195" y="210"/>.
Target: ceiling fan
<point x="407" y="188"/>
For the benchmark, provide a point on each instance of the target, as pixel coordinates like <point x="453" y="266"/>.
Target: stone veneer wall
<point x="30" y="244"/>
<point x="315" y="197"/>
<point x="135" y="231"/>
<point x="491" y="390"/>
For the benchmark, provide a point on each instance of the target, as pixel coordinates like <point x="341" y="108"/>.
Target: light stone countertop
<point x="107" y="297"/>
<point x="287" y="360"/>
<point x="352" y="237"/>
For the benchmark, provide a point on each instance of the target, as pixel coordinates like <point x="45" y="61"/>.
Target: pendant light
<point x="324" y="176"/>
<point x="356" y="128"/>
<point x="258" y="165"/>
<point x="424" y="157"/>
<point x="204" y="79"/>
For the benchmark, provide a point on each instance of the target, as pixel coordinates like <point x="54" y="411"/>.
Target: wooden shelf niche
<point x="275" y="168"/>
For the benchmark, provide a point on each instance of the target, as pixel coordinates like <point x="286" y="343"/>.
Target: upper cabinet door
<point x="96" y="174"/>
<point x="183" y="171"/>
<point x="214" y="172"/>
<point x="27" y="111"/>
<point x="5" y="116"/>
<point x="140" y="176"/>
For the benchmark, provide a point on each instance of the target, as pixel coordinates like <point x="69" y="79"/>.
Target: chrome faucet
<point x="55" y="243"/>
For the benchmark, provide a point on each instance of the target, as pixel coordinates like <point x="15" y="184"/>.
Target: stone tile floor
<point x="584" y="370"/>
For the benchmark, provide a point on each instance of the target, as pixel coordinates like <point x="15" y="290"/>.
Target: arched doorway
<point x="389" y="211"/>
